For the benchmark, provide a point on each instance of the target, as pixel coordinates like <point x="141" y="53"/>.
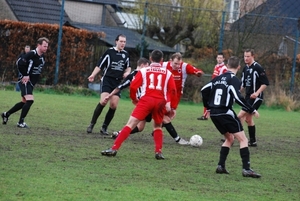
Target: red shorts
<point x="147" y="105"/>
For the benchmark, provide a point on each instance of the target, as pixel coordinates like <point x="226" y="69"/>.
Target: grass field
<point x="56" y="160"/>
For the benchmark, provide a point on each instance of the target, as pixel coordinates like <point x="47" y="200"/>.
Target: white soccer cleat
<point x="183" y="142"/>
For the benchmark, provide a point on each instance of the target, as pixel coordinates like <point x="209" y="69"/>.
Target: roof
<point x="107" y="2"/>
<point x="271" y="17"/>
<point x="37" y="11"/>
<point x="133" y="37"/>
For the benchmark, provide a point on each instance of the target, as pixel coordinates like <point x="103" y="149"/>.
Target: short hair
<point x="249" y="50"/>
<point x="176" y="55"/>
<point x="156" y="56"/>
<point x="233" y="62"/>
<point x="118" y="37"/>
<point x="142" y="61"/>
<point x="27" y="46"/>
<point x="41" y="40"/>
<point x="221" y="54"/>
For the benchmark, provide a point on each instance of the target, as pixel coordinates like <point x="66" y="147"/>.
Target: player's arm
<point x="172" y="92"/>
<point x="134" y="85"/>
<point x="205" y="92"/>
<point x="234" y="90"/>
<point x="127" y="72"/>
<point x="191" y="70"/>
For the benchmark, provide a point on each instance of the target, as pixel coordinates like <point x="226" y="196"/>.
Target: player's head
<point x="120" y="42"/>
<point x="26" y="49"/>
<point x="233" y="62"/>
<point x="156" y="56"/>
<point x="42" y="44"/>
<point x="220" y="58"/>
<point x="176" y="60"/>
<point x="142" y="62"/>
<point x="249" y="56"/>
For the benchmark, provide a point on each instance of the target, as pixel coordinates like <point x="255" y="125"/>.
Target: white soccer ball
<point x="196" y="140"/>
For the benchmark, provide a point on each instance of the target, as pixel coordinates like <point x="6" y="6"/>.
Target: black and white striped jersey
<point x="253" y="77"/>
<point x="113" y="63"/>
<point x="220" y="94"/>
<point x="31" y="65"/>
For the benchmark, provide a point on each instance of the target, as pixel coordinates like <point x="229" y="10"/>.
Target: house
<point x="92" y="15"/>
<point x="267" y="28"/>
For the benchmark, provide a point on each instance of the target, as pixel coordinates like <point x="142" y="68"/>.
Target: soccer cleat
<point x="250" y="173"/>
<point x="202" y="118"/>
<point x="183" y="142"/>
<point x="104" y="131"/>
<point x="90" y="128"/>
<point x="221" y="170"/>
<point x="159" y="156"/>
<point x="115" y="134"/>
<point x="22" y="125"/>
<point x="252" y="144"/>
<point x="109" y="152"/>
<point x="4" y="118"/>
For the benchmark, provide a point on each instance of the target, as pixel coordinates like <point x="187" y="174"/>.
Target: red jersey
<point x="219" y="69"/>
<point x="180" y="75"/>
<point x="156" y="82"/>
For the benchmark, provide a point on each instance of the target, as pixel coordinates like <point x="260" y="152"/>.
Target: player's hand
<point x="199" y="73"/>
<point x="25" y="79"/>
<point x="125" y="75"/>
<point x="135" y="102"/>
<point x="256" y="114"/>
<point x="105" y="100"/>
<point x="172" y="114"/>
<point x="253" y="96"/>
<point x="91" y="78"/>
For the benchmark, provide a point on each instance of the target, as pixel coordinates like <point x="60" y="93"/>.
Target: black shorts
<point x="26" y="89"/>
<point x="227" y="122"/>
<point x="108" y="84"/>
<point x="255" y="103"/>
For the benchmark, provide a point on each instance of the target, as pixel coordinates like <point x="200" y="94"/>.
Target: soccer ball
<point x="196" y="140"/>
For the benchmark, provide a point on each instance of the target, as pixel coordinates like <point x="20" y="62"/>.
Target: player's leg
<point x="204" y="116"/>
<point x="18" y="106"/>
<point x="256" y="103"/>
<point x="104" y="91"/>
<point x="245" y="155"/>
<point x="172" y="131"/>
<point x="114" y="100"/>
<point x="29" y="99"/>
<point x="123" y="135"/>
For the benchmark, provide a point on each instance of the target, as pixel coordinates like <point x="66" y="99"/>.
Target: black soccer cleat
<point x="202" y="118"/>
<point x="159" y="156"/>
<point x="252" y="144"/>
<point x="22" y="125"/>
<point x="90" y="128"/>
<point x="109" y="152"/>
<point x="4" y="118"/>
<point x="250" y="173"/>
<point x="221" y="170"/>
<point x="104" y="131"/>
<point x="115" y="134"/>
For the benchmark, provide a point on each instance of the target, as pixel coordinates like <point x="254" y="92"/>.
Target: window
<point x="232" y="7"/>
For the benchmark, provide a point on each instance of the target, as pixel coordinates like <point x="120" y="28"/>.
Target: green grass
<point x="56" y="160"/>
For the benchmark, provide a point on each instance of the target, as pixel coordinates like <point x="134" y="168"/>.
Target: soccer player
<point x="254" y="81"/>
<point x="180" y="71"/>
<point x="114" y="65"/>
<point x="218" y="97"/>
<point x="30" y="67"/>
<point x="219" y="69"/>
<point x="157" y="86"/>
<point x="141" y="63"/>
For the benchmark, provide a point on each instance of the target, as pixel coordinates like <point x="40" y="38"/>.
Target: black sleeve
<point x="127" y="80"/>
<point x="23" y="63"/>
<point x="205" y="92"/>
<point x="239" y="99"/>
